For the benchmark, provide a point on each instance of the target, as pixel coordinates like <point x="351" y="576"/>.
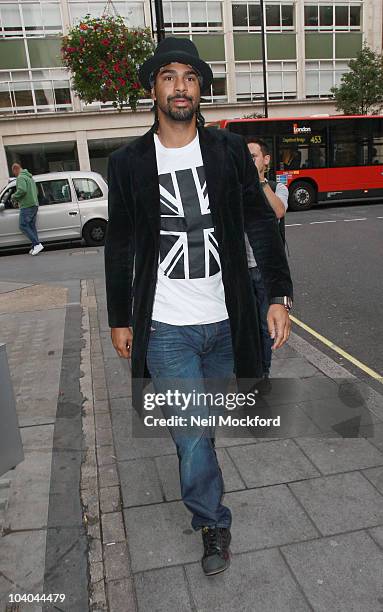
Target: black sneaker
<point x="216" y="541"/>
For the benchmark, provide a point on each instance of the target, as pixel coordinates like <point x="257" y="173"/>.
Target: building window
<point x="34" y="91"/>
<point x="247" y="17"/>
<point x="132" y="12"/>
<point x="41" y="158"/>
<point x="30" y="18"/>
<point x="218" y="91"/>
<point x="281" y="81"/>
<point x="345" y="16"/>
<point x="322" y="75"/>
<point x="192" y="16"/>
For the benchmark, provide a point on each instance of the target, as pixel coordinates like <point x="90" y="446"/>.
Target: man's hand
<point x="279" y="324"/>
<point x="122" y="339"/>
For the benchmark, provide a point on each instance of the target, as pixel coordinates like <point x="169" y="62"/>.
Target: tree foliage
<point x="104" y="56"/>
<point x="361" y="90"/>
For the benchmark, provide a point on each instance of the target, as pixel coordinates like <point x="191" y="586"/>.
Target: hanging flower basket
<point x="104" y="55"/>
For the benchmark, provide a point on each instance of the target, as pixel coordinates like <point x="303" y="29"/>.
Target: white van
<point x="71" y="205"/>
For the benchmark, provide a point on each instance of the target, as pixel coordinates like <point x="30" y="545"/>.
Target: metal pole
<point x="263" y="34"/>
<point x="159" y="20"/>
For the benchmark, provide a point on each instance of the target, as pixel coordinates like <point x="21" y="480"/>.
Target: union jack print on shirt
<point x="188" y="247"/>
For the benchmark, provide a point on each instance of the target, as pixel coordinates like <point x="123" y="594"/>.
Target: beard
<point x="179" y="114"/>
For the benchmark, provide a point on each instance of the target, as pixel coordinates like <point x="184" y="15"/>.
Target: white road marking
<point x="364" y="219"/>
<point x="293" y="224"/>
<point x="316" y="222"/>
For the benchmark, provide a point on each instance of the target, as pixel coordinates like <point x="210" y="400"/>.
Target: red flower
<point x="83" y="26"/>
<point x="136" y="86"/>
<point x="121" y="81"/>
<point x="108" y="83"/>
<point x="116" y="67"/>
<point x="82" y="40"/>
<point x="105" y="42"/>
<point x="90" y="69"/>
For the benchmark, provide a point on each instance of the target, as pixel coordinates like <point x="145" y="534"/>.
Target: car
<point x="72" y="205"/>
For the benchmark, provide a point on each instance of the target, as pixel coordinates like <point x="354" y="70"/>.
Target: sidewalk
<point x="93" y="512"/>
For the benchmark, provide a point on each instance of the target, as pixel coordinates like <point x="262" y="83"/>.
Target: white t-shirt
<point x="283" y="194"/>
<point x="189" y="288"/>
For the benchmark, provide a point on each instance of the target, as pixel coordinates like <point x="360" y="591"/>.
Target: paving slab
<point x="267" y="517"/>
<point x="271" y="463"/>
<point x="129" y="447"/>
<point x="293" y="367"/>
<point x="377" y="534"/>
<point x="160" y="536"/>
<point x="121" y="596"/>
<point x="256" y="582"/>
<point x="163" y="590"/>
<point x="343" y="573"/>
<point x="375" y="475"/>
<point x="31" y="482"/>
<point x="167" y="467"/>
<point x="340" y="503"/>
<point x="140" y="484"/>
<point x="19" y="574"/>
<point x="332" y="455"/>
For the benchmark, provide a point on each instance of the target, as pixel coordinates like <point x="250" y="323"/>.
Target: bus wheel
<point x="302" y="196"/>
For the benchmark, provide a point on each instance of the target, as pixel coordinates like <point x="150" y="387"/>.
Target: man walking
<point x="277" y="196"/>
<point x="179" y="198"/>
<point x="26" y="197"/>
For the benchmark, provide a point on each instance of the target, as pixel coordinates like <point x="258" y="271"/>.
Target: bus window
<point x="377" y="151"/>
<point x="305" y="150"/>
<point x="349" y="143"/>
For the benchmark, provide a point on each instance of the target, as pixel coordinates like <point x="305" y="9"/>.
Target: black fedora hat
<point x="170" y="50"/>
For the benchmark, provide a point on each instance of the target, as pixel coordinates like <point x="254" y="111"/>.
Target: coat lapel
<point x="213" y="153"/>
<point x="147" y="178"/>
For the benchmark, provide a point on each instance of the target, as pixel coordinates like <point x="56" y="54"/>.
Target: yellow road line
<point x="339" y="350"/>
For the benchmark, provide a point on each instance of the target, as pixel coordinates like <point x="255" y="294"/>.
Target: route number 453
<point x="316" y="139"/>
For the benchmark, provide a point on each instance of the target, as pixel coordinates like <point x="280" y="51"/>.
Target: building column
<point x="229" y="51"/>
<point x="301" y="53"/>
<point x="4" y="172"/>
<point x="372" y="17"/>
<point x="83" y="151"/>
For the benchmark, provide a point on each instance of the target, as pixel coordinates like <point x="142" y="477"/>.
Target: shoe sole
<point x="219" y="571"/>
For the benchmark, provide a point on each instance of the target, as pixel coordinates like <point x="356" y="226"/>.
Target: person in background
<point x="277" y="196"/>
<point x="26" y="197"/>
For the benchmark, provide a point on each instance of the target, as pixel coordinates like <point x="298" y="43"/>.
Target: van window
<point x="86" y="189"/>
<point x="56" y="191"/>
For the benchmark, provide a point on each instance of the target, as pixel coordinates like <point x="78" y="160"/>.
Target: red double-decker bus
<point x="321" y="159"/>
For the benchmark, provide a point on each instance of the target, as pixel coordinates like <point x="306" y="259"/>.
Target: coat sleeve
<point x="119" y="251"/>
<point x="261" y="226"/>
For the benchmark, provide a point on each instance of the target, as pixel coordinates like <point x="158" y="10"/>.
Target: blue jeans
<point x="194" y="353"/>
<point x="263" y="307"/>
<point x="27" y="223"/>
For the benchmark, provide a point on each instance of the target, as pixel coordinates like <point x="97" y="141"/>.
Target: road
<point x="336" y="259"/>
<point x="336" y="256"/>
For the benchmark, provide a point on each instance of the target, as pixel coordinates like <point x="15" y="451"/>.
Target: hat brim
<point x="155" y="62"/>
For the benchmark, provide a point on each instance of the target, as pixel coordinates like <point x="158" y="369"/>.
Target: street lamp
<point x="263" y="34"/>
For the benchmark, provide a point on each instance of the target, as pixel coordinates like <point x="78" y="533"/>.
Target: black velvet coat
<point x="132" y="242"/>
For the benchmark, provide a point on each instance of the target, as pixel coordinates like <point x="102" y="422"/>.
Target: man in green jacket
<point x="26" y="197"/>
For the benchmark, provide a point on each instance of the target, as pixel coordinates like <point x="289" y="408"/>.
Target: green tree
<point x="361" y="90"/>
<point x="104" y="55"/>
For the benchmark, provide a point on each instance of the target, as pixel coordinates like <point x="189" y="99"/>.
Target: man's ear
<point x="266" y="160"/>
<point x="153" y="94"/>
